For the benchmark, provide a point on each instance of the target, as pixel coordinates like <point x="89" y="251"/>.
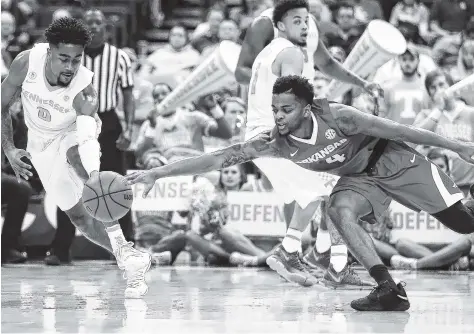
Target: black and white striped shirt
<point x="111" y="68"/>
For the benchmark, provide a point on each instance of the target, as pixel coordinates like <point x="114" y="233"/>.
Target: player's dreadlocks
<point x="283" y="6"/>
<point x="67" y="30"/>
<point x="299" y="86"/>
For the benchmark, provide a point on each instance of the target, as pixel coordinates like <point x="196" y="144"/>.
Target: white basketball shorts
<point x="59" y="179"/>
<point x="290" y="181"/>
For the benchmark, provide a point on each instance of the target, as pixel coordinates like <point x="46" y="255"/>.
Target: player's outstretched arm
<point x="11" y="87"/>
<point x="258" y="35"/>
<point x="86" y="105"/>
<point x="260" y="146"/>
<point x="352" y="121"/>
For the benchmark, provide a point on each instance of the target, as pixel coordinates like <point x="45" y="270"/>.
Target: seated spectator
<point x="391" y="70"/>
<point x="320" y="82"/>
<point x="247" y="12"/>
<point x="366" y="11"/>
<point x="12" y="42"/>
<point x="178" y="133"/>
<point x="219" y="244"/>
<point x="235" y="113"/>
<point x="452" y="118"/>
<point x="177" y="58"/>
<point x="228" y="31"/>
<point x="348" y="33"/>
<point x="448" y="17"/>
<point x="446" y="50"/>
<point x="465" y="63"/>
<point x="207" y="35"/>
<point x="403" y="98"/>
<point x="413" y="16"/>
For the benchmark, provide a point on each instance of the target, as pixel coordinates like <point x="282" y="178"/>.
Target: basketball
<point x="108" y="197"/>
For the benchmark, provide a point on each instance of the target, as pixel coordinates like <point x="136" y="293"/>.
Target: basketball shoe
<point x="383" y="297"/>
<point x="316" y="260"/>
<point x="347" y="278"/>
<point x="135" y="264"/>
<point x="290" y="267"/>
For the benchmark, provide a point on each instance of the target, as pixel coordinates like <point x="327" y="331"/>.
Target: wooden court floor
<point x="88" y="298"/>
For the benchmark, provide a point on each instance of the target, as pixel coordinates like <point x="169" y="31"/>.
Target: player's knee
<point x="340" y="210"/>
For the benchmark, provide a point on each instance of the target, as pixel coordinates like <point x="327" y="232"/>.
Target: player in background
<point x="60" y="107"/>
<point x="374" y="164"/>
<point x="270" y="39"/>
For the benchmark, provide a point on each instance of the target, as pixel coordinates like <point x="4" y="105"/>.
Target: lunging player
<point x="291" y="45"/>
<point x="60" y="106"/>
<point x="370" y="156"/>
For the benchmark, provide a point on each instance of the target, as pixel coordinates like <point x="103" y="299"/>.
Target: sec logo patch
<point x="330" y="134"/>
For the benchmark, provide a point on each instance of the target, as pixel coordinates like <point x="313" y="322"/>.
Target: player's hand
<point x="146" y="177"/>
<point x="123" y="143"/>
<point x="467" y="152"/>
<point x="376" y="92"/>
<point x="21" y="168"/>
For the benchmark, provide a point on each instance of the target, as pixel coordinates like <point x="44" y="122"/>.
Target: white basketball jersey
<point x="261" y="84"/>
<point x="311" y="44"/>
<point x="48" y="110"/>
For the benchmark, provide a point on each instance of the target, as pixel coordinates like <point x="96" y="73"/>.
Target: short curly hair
<point x="283" y="6"/>
<point x="68" y="30"/>
<point x="294" y="84"/>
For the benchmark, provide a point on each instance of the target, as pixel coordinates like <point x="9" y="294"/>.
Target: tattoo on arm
<point x="86" y="102"/>
<point x="259" y="147"/>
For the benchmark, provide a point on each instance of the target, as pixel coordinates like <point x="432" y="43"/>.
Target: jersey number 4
<point x="336" y="158"/>
<point x="44" y="114"/>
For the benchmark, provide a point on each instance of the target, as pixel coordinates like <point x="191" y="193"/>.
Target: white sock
<point x="116" y="236"/>
<point x="292" y="240"/>
<point x="338" y="257"/>
<point x="323" y="241"/>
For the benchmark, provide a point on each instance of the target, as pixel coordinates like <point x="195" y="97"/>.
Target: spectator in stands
<point x="367" y="10"/>
<point x="207" y="34"/>
<point x="235" y="114"/>
<point x="228" y="31"/>
<point x="179" y="134"/>
<point x="391" y="70"/>
<point x="451" y="118"/>
<point x="320" y="82"/>
<point x="348" y="33"/>
<point x="448" y="17"/>
<point x="465" y="63"/>
<point x="404" y="97"/>
<point x="446" y="50"/>
<point x="12" y="42"/>
<point x="219" y="244"/>
<point x="413" y="16"/>
<point x="177" y="58"/>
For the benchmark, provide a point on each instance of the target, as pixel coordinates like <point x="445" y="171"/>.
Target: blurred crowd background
<point x="166" y="39"/>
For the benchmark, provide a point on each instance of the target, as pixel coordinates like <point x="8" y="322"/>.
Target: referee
<point x="112" y="71"/>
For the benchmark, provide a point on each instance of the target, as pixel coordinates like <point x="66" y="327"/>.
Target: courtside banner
<point x="168" y="194"/>
<point x="256" y="214"/>
<point x="419" y="227"/>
